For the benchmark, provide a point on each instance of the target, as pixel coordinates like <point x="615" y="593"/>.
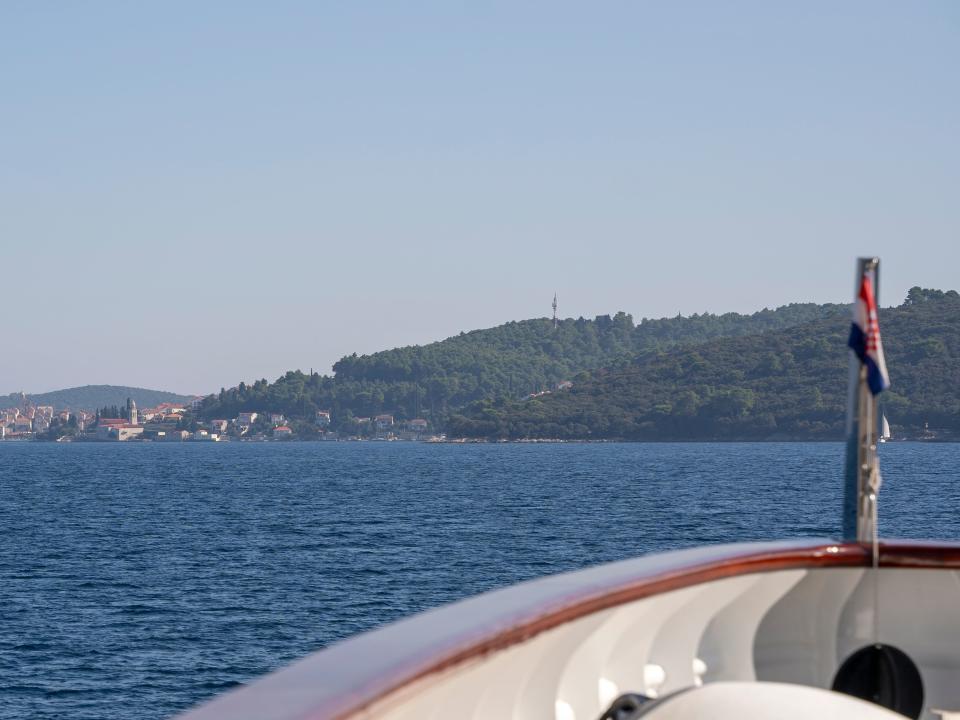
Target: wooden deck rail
<point x="349" y="676"/>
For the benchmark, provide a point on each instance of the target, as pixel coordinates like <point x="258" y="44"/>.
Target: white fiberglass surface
<point x="737" y="700"/>
<point x="791" y="626"/>
<point x="834" y="612"/>
<point x="651" y="646"/>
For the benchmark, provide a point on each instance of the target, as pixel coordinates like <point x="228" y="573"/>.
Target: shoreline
<point x="481" y="441"/>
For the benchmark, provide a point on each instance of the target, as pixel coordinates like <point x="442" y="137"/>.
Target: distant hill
<point x="91" y="397"/>
<point x="497" y="364"/>
<point x="784" y="384"/>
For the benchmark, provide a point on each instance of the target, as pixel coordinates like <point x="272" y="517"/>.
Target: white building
<point x="119" y="433"/>
<point x="173" y="435"/>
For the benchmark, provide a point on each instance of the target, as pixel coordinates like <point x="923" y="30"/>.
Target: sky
<point x="194" y="194"/>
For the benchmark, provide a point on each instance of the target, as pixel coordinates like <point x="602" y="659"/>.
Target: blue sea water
<point x="139" y="579"/>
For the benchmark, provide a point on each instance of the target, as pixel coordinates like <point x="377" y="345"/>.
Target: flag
<point x="865" y="337"/>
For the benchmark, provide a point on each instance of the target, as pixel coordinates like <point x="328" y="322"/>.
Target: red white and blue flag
<point x="865" y="337"/>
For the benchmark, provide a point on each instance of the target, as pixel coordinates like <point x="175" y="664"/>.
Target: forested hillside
<point x="498" y="364"/>
<point x="90" y="397"/>
<point x="787" y="384"/>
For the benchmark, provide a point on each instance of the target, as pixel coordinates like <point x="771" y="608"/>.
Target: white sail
<point x="885" y="429"/>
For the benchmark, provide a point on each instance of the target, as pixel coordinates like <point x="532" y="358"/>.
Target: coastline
<point x="487" y="441"/>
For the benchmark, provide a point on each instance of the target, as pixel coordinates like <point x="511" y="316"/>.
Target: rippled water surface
<point x="138" y="579"/>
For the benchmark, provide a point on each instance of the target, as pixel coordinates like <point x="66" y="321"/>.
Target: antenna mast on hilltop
<point x="554" y="311"/>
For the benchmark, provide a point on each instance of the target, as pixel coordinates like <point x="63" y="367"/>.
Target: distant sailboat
<point x="884" y="430"/>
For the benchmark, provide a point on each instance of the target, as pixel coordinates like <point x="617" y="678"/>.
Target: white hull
<point x="562" y="648"/>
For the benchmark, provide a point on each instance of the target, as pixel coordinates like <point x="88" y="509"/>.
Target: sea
<point x="139" y="579"/>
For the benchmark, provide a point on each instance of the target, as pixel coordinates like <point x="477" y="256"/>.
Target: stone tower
<point x="132" y="411"/>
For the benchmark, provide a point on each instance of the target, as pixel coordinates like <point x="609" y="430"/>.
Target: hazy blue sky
<point x="195" y="193"/>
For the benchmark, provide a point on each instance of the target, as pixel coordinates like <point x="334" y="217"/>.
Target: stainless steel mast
<point x="862" y="481"/>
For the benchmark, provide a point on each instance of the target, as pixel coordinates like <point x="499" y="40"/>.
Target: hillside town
<point x="176" y="422"/>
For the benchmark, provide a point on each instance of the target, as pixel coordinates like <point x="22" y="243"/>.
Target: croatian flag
<point x="865" y="337"/>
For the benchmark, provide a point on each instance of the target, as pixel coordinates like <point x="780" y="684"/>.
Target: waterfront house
<point x="118" y="431"/>
<point x="105" y="425"/>
<point x="125" y="432"/>
<point x="282" y="432"/>
<point x="322" y="418"/>
<point x="173" y="435"/>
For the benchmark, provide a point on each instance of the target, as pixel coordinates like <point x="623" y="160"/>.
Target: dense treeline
<point x="499" y="364"/>
<point x="787" y="384"/>
<point x="90" y="397"/>
<point x="112" y="411"/>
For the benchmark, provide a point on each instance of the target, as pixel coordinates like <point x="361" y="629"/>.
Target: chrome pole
<point x="862" y="481"/>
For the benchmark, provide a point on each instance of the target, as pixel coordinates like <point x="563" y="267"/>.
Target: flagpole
<point x="862" y="476"/>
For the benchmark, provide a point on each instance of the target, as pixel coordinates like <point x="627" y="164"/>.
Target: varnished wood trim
<point x="919" y="554"/>
<point x="434" y="642"/>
